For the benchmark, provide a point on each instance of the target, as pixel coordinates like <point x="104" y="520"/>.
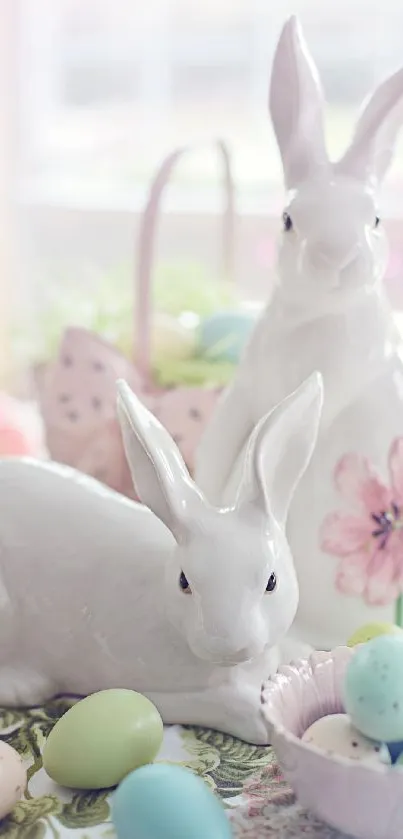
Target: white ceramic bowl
<point x="360" y="800"/>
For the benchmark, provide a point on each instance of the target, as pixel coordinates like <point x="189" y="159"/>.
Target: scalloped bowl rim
<point x="272" y="685"/>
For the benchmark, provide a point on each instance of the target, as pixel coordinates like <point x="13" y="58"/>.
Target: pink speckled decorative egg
<point x="13" y="779"/>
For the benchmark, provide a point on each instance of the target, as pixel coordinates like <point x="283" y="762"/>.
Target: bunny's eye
<point x="287" y="221"/>
<point x="377" y="221"/>
<point x="184" y="585"/>
<point x="271" y="583"/>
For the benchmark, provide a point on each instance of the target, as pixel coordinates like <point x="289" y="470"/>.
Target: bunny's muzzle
<point x="332" y="253"/>
<point x="229" y="642"/>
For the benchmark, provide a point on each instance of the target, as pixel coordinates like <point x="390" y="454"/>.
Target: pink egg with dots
<point x="13" y="779"/>
<point x="78" y="403"/>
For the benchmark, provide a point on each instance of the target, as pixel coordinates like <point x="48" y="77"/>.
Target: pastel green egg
<point x="167" y="802"/>
<point x="102" y="738"/>
<point x="373" y="630"/>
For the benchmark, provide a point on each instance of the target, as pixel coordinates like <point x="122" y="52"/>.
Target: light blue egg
<point x="167" y="802"/>
<point x="373" y="688"/>
<point x="223" y="336"/>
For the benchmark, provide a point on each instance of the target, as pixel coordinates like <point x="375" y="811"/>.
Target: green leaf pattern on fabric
<point x="228" y="762"/>
<point x="86" y="809"/>
<point x="9" y="717"/>
<point x="29" y="818"/>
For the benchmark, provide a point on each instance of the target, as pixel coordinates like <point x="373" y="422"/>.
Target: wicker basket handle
<point x="146" y="248"/>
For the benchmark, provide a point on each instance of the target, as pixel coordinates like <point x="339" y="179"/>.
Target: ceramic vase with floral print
<point x="328" y="312"/>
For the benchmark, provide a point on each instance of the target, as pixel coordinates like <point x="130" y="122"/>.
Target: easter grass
<point x="105" y="303"/>
<point x="192" y="372"/>
<point x="105" y="307"/>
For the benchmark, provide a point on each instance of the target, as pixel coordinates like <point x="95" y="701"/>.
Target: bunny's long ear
<point x="279" y="451"/>
<point x="370" y="153"/>
<point x="296" y="107"/>
<point x="159" y="473"/>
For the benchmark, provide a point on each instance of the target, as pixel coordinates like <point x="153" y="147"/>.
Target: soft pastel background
<point x="93" y="94"/>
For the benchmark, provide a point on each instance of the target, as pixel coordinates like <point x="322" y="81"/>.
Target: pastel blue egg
<point x="373" y="688"/>
<point x="159" y="801"/>
<point x="223" y="336"/>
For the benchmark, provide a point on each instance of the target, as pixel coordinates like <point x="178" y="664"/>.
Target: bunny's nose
<point x="330" y="253"/>
<point x="229" y="654"/>
<point x="221" y="649"/>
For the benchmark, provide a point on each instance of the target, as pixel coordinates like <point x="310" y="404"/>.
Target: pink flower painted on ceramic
<point x="368" y="538"/>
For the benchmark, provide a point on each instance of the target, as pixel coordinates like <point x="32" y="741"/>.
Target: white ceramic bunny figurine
<point x="186" y="604"/>
<point x="328" y="313"/>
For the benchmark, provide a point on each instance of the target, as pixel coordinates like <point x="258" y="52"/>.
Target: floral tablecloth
<point x="258" y="800"/>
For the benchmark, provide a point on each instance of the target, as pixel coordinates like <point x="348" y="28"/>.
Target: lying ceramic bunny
<point x="328" y="313"/>
<point x="186" y="604"/>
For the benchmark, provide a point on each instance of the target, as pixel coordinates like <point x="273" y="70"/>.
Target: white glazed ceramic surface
<point x="361" y="800"/>
<point x="100" y="592"/>
<point x="329" y="312"/>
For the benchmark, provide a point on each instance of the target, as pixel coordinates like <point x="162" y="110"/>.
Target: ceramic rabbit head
<point x="230" y="584"/>
<point x="333" y="242"/>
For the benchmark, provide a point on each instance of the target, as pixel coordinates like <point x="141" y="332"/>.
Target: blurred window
<point x="109" y="87"/>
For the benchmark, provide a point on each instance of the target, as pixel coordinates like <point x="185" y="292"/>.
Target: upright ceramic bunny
<point x="186" y="604"/>
<point x="328" y="312"/>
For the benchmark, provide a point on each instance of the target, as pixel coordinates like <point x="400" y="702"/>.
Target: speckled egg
<point x="13" y="779"/>
<point x="335" y="735"/>
<point x="223" y="336"/>
<point x="373" y="630"/>
<point x="103" y="738"/>
<point x="373" y="688"/>
<point x="167" y="802"/>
